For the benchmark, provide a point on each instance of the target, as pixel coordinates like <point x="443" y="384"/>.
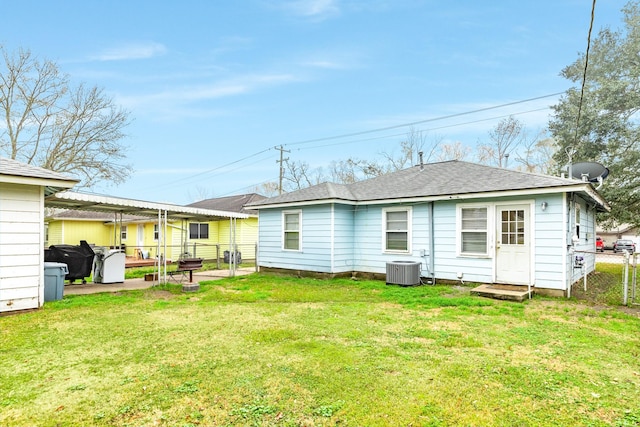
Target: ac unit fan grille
<point x="405" y="273"/>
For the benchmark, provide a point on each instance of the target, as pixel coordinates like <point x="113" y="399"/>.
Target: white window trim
<point x="290" y="212"/>
<point x="156" y="232"/>
<point x="409" y="212"/>
<point x="199" y="234"/>
<point x="489" y="229"/>
<point x="123" y="232"/>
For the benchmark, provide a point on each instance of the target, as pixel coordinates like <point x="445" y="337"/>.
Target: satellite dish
<point x="589" y="171"/>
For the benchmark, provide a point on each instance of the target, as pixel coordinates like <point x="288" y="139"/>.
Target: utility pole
<point x="281" y="161"/>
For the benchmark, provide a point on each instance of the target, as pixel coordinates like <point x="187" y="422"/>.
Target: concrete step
<point x="504" y="292"/>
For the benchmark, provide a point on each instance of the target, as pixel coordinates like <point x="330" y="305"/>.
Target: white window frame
<point x="199" y="233"/>
<point x="123" y="232"/>
<point x="487" y="230"/>
<point x="285" y="231"/>
<point x="156" y="232"/>
<point x="409" y="212"/>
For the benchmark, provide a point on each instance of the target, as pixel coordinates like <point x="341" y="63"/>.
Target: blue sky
<point x="214" y="86"/>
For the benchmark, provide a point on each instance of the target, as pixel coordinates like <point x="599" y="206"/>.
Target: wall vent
<point x="404" y="273"/>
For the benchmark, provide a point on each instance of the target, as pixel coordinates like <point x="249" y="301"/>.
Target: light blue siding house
<point x="458" y="220"/>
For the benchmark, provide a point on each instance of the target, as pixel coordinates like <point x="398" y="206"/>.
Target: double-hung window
<point x="198" y="230"/>
<point x="291" y="221"/>
<point x="123" y="232"/>
<point x="474" y="230"/>
<point x="397" y="227"/>
<point x="156" y="232"/>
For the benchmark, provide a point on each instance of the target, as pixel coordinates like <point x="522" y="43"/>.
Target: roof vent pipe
<point x="421" y="163"/>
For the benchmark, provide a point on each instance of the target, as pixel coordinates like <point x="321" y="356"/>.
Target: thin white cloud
<point x="326" y="64"/>
<point x="170" y="171"/>
<point x="232" y="44"/>
<point x="316" y="9"/>
<point x="182" y="97"/>
<point x="335" y="59"/>
<point x="131" y="51"/>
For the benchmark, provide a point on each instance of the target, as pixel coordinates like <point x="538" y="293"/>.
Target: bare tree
<point x="453" y="151"/>
<point x="49" y="123"/>
<point x="344" y="171"/>
<point x="200" y="193"/>
<point x="299" y="175"/>
<point x="505" y="138"/>
<point x="268" y="189"/>
<point x="537" y="155"/>
<point x="416" y="142"/>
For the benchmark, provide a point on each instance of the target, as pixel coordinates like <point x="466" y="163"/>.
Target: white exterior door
<point x="513" y="244"/>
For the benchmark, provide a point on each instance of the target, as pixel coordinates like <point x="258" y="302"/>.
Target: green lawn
<point x="264" y="350"/>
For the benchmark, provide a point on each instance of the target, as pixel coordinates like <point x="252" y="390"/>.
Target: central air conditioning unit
<point x="404" y="273"/>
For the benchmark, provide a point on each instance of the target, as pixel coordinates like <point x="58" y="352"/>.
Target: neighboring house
<point x="622" y="231"/>
<point x="155" y="230"/>
<point x="22" y="191"/>
<point x="139" y="234"/>
<point x="68" y="226"/>
<point x="218" y="232"/>
<point x="459" y="220"/>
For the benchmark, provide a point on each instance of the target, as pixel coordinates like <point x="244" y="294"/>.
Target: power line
<point x="395" y="135"/>
<point x="190" y="177"/>
<point x="584" y="74"/>
<point x="434" y="119"/>
<point x="480" y="110"/>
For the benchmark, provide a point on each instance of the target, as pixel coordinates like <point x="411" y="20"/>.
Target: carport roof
<point x="102" y="203"/>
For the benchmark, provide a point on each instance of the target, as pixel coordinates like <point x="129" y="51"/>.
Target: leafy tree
<point x="49" y="123"/>
<point x="608" y="130"/>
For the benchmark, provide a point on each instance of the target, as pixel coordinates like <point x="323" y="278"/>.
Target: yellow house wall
<point x="151" y="244"/>
<point x="246" y="238"/>
<point x="55" y="233"/>
<point x="70" y="232"/>
<point x="102" y="234"/>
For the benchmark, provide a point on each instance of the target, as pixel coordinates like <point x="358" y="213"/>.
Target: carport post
<point x="232" y="247"/>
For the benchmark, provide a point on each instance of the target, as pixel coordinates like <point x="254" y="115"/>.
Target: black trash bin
<point x="79" y="259"/>
<point x="230" y="257"/>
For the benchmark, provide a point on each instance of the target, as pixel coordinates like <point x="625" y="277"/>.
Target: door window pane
<point x="513" y="227"/>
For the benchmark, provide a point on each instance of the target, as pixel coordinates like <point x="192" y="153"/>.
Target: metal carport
<point x="162" y="211"/>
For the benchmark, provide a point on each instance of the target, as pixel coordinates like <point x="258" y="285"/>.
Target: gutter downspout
<point x="569" y="202"/>
<point x="432" y="245"/>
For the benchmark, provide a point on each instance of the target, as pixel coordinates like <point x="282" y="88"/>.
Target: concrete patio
<point x="141" y="283"/>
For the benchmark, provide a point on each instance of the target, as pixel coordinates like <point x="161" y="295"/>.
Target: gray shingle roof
<point x="16" y="168"/>
<point x="230" y="203"/>
<point x="433" y="179"/>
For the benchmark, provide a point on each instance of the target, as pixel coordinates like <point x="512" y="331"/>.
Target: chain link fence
<point x="613" y="281"/>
